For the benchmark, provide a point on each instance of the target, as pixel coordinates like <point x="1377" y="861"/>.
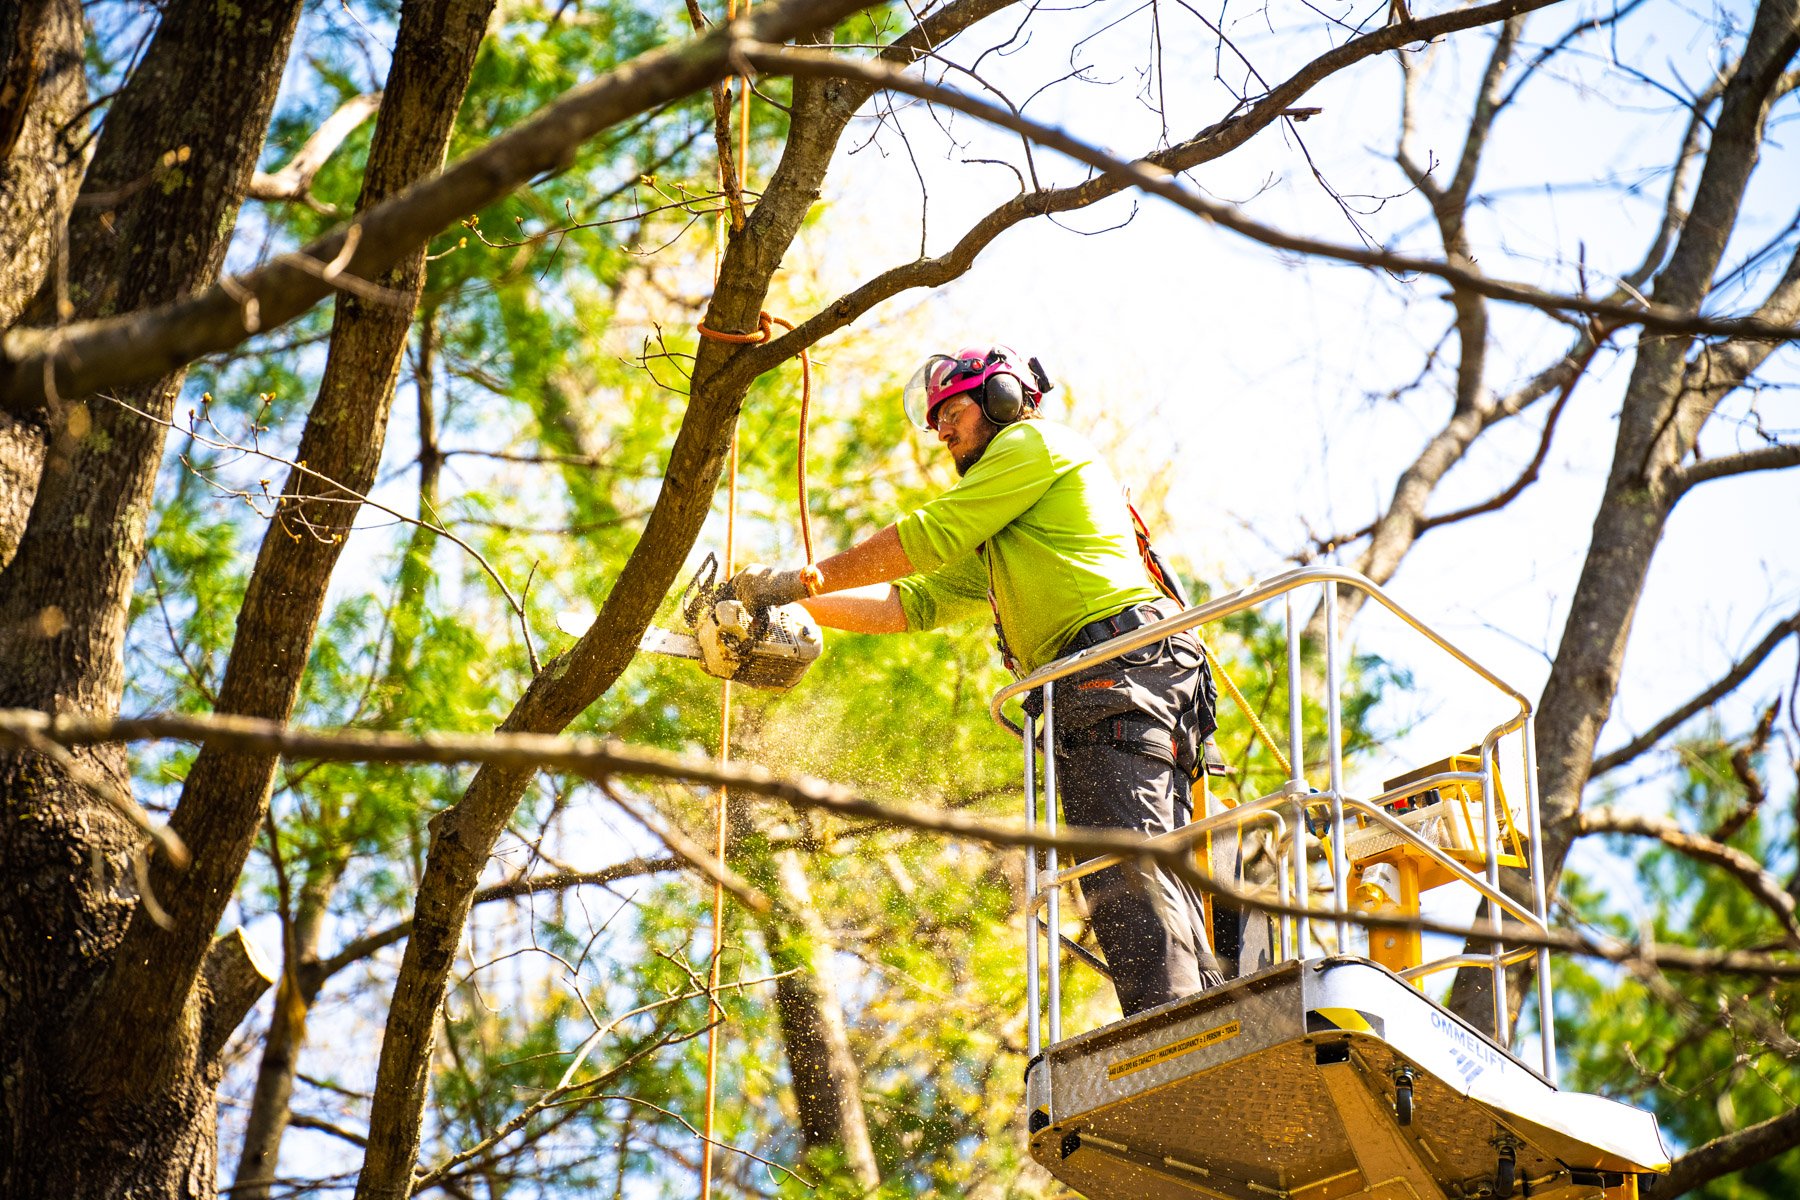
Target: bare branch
<point x="339" y="492"/>
<point x="593" y="757"/>
<point x="319" y="1124"/>
<point x="1740" y="671"/>
<point x="1686" y="164"/>
<point x="1767" y="458"/>
<point x="1698" y="846"/>
<point x="1404" y="517"/>
<point x="1731" y="1152"/>
<point x="294" y="181"/>
<point x="1529" y="475"/>
<point x="567" y="1085"/>
<point x="690" y="851"/>
<point x="1156" y="174"/>
<point x="363" y="947"/>
<point x="1756" y="793"/>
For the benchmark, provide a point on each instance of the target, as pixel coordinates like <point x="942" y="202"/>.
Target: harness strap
<point x="1006" y="654"/>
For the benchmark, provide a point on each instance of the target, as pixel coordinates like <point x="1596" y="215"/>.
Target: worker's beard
<point x="964" y="459"/>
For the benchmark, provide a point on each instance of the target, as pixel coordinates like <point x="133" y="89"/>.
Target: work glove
<point x="759" y="587"/>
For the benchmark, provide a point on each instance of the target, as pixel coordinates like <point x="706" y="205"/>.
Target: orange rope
<point x="743" y="162"/>
<point x="729" y="184"/>
<point x="720" y="820"/>
<point x="765" y="332"/>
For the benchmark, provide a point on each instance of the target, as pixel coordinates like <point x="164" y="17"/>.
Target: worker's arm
<point x="872" y="609"/>
<point x="877" y="559"/>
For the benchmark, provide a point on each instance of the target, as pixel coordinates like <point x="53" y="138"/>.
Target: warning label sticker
<point x="1163" y="1054"/>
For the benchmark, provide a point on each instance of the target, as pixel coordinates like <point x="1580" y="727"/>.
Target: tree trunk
<point x="42" y="88"/>
<point x="294" y="996"/>
<point x="1659" y="423"/>
<point x="175" y="157"/>
<point x="225" y="799"/>
<point x="302" y="974"/>
<point x="826" y="1079"/>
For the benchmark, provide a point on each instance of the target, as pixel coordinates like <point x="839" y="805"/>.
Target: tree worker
<point x="1038" y="531"/>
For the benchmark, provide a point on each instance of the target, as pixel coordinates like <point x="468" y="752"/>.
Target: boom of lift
<point x="1324" y="1070"/>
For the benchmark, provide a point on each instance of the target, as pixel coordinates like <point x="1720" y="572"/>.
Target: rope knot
<point x="765" y="331"/>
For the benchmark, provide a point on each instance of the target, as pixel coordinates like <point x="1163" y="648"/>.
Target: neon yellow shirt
<point x="1051" y="516"/>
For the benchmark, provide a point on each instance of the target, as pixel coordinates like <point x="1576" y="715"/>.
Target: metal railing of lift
<point x="1044" y="889"/>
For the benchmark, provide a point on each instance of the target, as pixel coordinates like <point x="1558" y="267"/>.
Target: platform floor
<point x="1282" y="1085"/>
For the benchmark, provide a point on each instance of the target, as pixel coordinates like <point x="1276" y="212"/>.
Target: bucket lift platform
<point x="1324" y="1071"/>
<point x="1318" y="1080"/>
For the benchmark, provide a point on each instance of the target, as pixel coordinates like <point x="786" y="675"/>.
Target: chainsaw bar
<point x="667" y="641"/>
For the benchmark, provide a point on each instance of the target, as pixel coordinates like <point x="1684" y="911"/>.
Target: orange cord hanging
<point x="732" y="183"/>
<point x="765" y="332"/>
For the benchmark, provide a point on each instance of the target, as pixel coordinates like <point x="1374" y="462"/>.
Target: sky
<point x="1246" y="377"/>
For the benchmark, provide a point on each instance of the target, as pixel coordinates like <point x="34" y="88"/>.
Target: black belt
<point x="1107" y="628"/>
<point x="1128" y="731"/>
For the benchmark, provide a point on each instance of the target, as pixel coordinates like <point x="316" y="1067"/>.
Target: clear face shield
<point x="928" y="381"/>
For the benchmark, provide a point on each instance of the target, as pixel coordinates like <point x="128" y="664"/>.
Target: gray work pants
<point x="1128" y="732"/>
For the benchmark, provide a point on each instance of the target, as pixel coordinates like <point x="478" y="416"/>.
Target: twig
<point x="1740" y="671"/>
<point x="689" y="851"/>
<point x="565" y="1085"/>
<point x="1743" y="867"/>
<point x="350" y="496"/>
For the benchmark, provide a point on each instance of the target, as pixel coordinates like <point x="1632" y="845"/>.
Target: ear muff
<point x="1004" y="399"/>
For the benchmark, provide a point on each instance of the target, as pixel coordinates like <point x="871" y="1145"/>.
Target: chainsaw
<point x="761" y="648"/>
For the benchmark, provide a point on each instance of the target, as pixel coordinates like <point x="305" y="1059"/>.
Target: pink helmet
<point x="944" y="375"/>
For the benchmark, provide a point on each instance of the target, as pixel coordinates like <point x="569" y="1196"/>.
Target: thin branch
<point x="1740" y="671"/>
<point x="1698" y="846"/>
<point x="1756" y="793"/>
<point x="1156" y="174"/>
<point x="565" y="1085"/>
<point x="352" y="496"/>
<point x="302" y="1121"/>
<point x="294" y="181"/>
<point x="1767" y="458"/>
<point x="1443" y="451"/>
<point x="362" y="947"/>
<point x="1529" y="475"/>
<point x="712" y="1141"/>
<point x="689" y="851"/>
<point x="604" y="758"/>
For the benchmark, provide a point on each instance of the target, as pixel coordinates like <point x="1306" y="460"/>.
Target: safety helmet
<point x="1004" y="384"/>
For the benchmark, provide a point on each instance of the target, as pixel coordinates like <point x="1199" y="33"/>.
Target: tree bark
<point x="303" y="974"/>
<point x="42" y="88"/>
<point x="1731" y="1152"/>
<point x="174" y="158"/>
